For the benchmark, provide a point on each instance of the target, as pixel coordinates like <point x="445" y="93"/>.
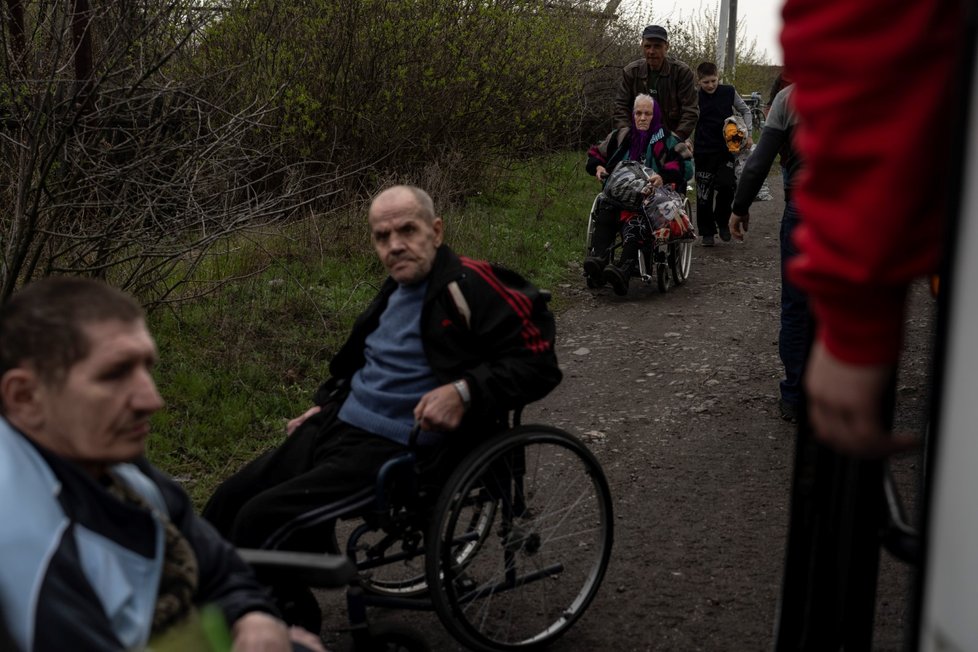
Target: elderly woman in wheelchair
<point x="647" y="142"/>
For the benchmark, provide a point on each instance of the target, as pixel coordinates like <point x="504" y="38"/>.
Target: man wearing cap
<point x="669" y="81"/>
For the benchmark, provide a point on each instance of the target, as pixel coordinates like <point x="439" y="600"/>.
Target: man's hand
<point x="299" y="420"/>
<point x="845" y="405"/>
<point x="441" y="409"/>
<point x="684" y="148"/>
<point x="601" y="173"/>
<point x="736" y="221"/>
<point x="261" y="632"/>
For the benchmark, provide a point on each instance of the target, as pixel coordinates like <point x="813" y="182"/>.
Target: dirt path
<point x="677" y="395"/>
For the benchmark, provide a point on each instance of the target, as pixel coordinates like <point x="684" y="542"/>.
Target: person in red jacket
<point x="873" y="102"/>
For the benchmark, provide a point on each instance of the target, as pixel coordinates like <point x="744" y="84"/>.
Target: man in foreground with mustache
<point x="449" y="345"/>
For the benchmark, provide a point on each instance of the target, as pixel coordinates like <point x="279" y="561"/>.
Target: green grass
<point x="240" y="360"/>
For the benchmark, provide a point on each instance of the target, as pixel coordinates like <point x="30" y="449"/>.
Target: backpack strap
<point x="461" y="305"/>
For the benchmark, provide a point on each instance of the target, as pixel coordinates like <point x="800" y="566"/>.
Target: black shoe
<point x="708" y="241"/>
<point x="788" y="411"/>
<point x="593" y="266"/>
<point x="725" y="235"/>
<point x="618" y="279"/>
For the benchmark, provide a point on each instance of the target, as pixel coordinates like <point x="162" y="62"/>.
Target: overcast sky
<point x="760" y="19"/>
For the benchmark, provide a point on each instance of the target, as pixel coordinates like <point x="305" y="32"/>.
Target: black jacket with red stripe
<point x="480" y="322"/>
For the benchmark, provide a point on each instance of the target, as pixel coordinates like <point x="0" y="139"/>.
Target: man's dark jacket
<point x="676" y="94"/>
<point x="480" y="322"/>
<point x="76" y="598"/>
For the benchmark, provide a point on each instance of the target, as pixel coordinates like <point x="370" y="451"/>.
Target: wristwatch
<point x="463" y="391"/>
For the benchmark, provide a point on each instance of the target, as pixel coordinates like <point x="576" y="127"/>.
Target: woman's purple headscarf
<point x="640" y="139"/>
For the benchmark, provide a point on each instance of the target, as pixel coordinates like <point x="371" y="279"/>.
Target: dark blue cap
<point x="655" y="31"/>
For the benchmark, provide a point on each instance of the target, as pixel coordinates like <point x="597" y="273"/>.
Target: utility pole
<point x="731" y="58"/>
<point x="722" y="25"/>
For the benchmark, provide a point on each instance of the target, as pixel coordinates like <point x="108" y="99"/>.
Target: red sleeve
<point x="875" y="92"/>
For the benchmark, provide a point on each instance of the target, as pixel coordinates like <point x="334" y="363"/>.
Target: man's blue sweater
<point x="384" y="392"/>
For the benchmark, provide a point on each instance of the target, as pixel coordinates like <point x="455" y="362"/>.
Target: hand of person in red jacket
<point x="844" y="405"/>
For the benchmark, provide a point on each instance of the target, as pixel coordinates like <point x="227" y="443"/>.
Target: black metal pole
<point x="828" y="592"/>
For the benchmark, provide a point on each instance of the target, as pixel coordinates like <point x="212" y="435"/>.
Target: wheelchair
<point x="507" y="543"/>
<point x="667" y="262"/>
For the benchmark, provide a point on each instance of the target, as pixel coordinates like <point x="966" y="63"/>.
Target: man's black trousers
<point x="285" y="497"/>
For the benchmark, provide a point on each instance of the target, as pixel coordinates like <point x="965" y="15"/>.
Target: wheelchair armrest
<point x="324" y="571"/>
<point x="398" y="464"/>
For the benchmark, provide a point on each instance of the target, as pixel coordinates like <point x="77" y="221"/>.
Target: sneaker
<point x="617" y="278"/>
<point x="708" y="241"/>
<point x="593" y="266"/>
<point x="725" y="235"/>
<point x="788" y="411"/>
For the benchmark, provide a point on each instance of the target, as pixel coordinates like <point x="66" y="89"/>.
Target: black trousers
<point x="715" y="186"/>
<point x="285" y="497"/>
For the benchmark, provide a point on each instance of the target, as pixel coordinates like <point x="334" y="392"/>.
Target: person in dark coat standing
<point x="669" y="81"/>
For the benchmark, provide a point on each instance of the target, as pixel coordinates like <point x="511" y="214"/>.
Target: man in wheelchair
<point x="449" y="345"/>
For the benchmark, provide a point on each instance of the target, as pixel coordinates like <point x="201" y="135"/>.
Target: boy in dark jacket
<point x="715" y="181"/>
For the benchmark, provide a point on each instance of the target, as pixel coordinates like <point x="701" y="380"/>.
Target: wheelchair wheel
<point x="590" y="227"/>
<point x="663" y="276"/>
<point x="405" y="577"/>
<point x="680" y="260"/>
<point x="588" y="281"/>
<point x="402" y="578"/>
<point x="548" y="546"/>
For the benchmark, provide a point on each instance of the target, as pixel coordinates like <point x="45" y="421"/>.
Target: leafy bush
<point x="381" y="88"/>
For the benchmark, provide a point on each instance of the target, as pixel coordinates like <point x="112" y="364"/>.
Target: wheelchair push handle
<point x="326" y="571"/>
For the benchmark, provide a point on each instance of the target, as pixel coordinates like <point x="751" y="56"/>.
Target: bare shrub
<point x="114" y="164"/>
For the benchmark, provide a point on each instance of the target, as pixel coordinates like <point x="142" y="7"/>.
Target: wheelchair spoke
<point x="533" y="576"/>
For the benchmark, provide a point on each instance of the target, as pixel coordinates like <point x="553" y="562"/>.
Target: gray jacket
<point x="775" y="139"/>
